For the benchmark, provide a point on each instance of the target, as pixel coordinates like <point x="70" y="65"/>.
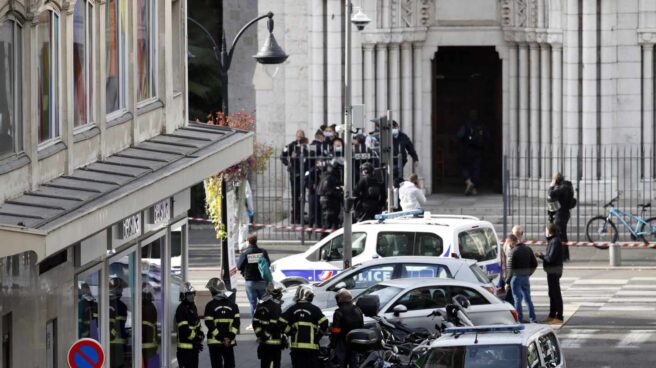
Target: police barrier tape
<point x="592" y="244"/>
<point x="310" y="229"/>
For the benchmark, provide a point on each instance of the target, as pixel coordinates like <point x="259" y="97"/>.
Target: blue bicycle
<point x="601" y="229"/>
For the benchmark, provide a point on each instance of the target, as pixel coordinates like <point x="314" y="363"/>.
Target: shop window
<point x="88" y="301"/>
<point x="146" y="41"/>
<point x="11" y="62"/>
<point x="175" y="281"/>
<point x="116" y="45"/>
<point x="48" y="76"/>
<point x="152" y="303"/>
<point x="83" y="50"/>
<point x="121" y="286"/>
<point x="51" y="343"/>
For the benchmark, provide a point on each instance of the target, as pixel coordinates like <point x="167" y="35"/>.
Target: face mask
<point x="328" y="134"/>
<point x="395" y="132"/>
<point x="338" y="149"/>
<point x="190" y="298"/>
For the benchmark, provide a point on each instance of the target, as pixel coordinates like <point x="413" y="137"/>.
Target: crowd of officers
<point x="317" y="167"/>
<point x="299" y="328"/>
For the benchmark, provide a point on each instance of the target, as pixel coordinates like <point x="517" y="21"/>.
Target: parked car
<point x="412" y="300"/>
<point x="521" y="346"/>
<point x="443" y="236"/>
<point x="363" y="275"/>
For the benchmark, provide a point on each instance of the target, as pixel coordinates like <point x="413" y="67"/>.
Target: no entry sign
<point x="86" y="353"/>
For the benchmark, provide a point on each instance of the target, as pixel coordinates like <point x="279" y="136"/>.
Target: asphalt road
<point x="610" y="313"/>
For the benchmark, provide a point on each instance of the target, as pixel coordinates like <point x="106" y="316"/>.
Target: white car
<point x="361" y="276"/>
<point x="421" y="296"/>
<point x="520" y="346"/>
<point x="428" y="235"/>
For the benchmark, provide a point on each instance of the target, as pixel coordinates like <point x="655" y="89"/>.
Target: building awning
<point x="73" y="207"/>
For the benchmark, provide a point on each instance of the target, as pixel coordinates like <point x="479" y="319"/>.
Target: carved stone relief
<point x="394" y="4"/>
<point x="407" y="11"/>
<point x="520" y="15"/>
<point x="425" y="13"/>
<point x="507" y="13"/>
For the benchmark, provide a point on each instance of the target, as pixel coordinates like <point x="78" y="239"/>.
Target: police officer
<point x="294" y="157"/>
<point x="87" y="313"/>
<point x="330" y="195"/>
<point x="149" y="339"/>
<point x="347" y="317"/>
<point x="402" y="147"/>
<point x="118" y="315"/>
<point x="222" y="321"/>
<point x="560" y="201"/>
<point x="305" y="324"/>
<point x="190" y="336"/>
<point x="370" y="193"/>
<point x="269" y="328"/>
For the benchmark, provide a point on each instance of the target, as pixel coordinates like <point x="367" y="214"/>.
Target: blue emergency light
<point x="480" y="329"/>
<point x="392" y="215"/>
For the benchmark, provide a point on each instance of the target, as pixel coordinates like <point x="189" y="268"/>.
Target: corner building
<point x="96" y="161"/>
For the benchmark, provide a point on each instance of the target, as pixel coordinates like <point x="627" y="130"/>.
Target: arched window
<point x="48" y="76"/>
<point x="83" y="52"/>
<point x="146" y="41"/>
<point x="116" y="45"/>
<point x="11" y="62"/>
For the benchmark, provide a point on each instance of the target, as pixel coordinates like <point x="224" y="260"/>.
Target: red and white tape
<point x="310" y="229"/>
<point x="593" y="244"/>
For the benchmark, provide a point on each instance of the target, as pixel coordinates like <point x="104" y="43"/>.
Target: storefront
<point x="101" y="253"/>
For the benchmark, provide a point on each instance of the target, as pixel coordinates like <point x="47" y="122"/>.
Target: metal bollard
<point x="615" y="255"/>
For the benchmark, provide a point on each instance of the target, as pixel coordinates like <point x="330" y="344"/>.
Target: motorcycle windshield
<point x="475" y="356"/>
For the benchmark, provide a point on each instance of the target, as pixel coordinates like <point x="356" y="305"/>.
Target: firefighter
<point x="347" y="317"/>
<point x="87" y="313"/>
<point x="305" y="324"/>
<point x="190" y="336"/>
<point x="222" y="321"/>
<point x="149" y="337"/>
<point x="269" y="327"/>
<point x="118" y="315"/>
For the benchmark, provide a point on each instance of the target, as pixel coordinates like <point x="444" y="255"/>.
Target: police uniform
<point x="371" y="195"/>
<point x="222" y="321"/>
<point x="190" y="335"/>
<point x="305" y="324"/>
<point x="118" y="335"/>
<point x="294" y="156"/>
<point x="269" y="326"/>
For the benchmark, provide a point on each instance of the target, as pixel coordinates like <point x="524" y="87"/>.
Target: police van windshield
<point x="475" y="356"/>
<point x="480" y="244"/>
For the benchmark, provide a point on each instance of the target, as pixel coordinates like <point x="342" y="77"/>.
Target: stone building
<point x="546" y="76"/>
<point x="96" y="160"/>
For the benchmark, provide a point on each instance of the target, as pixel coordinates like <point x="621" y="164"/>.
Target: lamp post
<point x="270" y="53"/>
<point x="360" y="20"/>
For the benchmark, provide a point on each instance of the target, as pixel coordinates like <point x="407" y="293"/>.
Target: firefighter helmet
<point x="304" y="293"/>
<point x="216" y="286"/>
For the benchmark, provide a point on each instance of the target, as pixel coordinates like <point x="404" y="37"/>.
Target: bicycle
<point x="601" y="229"/>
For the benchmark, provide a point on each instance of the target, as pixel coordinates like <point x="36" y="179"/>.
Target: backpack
<point x="571" y="201"/>
<point x="263" y="266"/>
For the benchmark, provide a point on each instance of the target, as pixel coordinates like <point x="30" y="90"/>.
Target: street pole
<point x="390" y="165"/>
<point x="348" y="145"/>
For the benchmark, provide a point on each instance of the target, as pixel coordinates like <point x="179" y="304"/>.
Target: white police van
<point x="410" y="233"/>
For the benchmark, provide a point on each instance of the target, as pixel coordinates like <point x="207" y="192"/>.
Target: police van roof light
<point x="480" y="329"/>
<point x="392" y="215"/>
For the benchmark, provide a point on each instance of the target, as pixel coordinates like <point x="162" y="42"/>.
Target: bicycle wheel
<point x="601" y="230"/>
<point x="650" y="230"/>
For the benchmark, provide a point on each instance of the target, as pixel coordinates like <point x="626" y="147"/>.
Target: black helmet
<point x="116" y="286"/>
<point x="367" y="167"/>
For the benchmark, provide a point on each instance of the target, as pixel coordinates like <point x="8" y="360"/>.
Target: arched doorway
<point x="464" y="79"/>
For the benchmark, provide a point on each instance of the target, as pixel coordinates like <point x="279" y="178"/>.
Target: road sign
<point x="86" y="353"/>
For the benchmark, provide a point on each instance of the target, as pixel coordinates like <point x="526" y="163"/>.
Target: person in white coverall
<point x="411" y="196"/>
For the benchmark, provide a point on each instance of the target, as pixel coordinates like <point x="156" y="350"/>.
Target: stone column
<point x="545" y="109"/>
<point x="523" y="110"/>
<point x="512" y="96"/>
<point x="369" y="81"/>
<point x="406" y="88"/>
<point x="394" y="91"/>
<point x="418" y="95"/>
<point x="556" y="104"/>
<point x="534" y="124"/>
<point x="381" y="79"/>
<point x="334" y="62"/>
<point x="317" y="103"/>
<point x="648" y="101"/>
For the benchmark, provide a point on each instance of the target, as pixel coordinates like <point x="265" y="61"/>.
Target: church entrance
<point x="466" y="81"/>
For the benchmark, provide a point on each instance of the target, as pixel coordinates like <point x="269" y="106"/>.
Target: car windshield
<point x="480" y="275"/>
<point x="385" y="293"/>
<point x="341" y="275"/>
<point x="475" y="356"/>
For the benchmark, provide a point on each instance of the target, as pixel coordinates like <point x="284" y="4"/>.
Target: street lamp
<point x="270" y="53"/>
<point x="360" y="20"/>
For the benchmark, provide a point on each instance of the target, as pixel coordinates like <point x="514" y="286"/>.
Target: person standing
<point x="294" y="156"/>
<point x="304" y="323"/>
<point x="402" y="147"/>
<point x="347" y="317"/>
<point x="149" y="340"/>
<point x="269" y="328"/>
<point x="222" y="320"/>
<point x="370" y="194"/>
<point x="87" y="313"/>
<point x="411" y="197"/>
<point x="552" y="262"/>
<point x="560" y="201"/>
<point x="518" y="232"/>
<point x="521" y="265"/>
<point x="472" y="137"/>
<point x="118" y="315"/>
<point x="187" y="322"/>
<point x="330" y="195"/>
<point x="248" y="266"/>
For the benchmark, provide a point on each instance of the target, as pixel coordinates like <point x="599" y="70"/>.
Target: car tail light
<point x="515" y="314"/>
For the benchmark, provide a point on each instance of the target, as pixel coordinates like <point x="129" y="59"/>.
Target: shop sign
<point x="160" y="213"/>
<point x="129" y="227"/>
